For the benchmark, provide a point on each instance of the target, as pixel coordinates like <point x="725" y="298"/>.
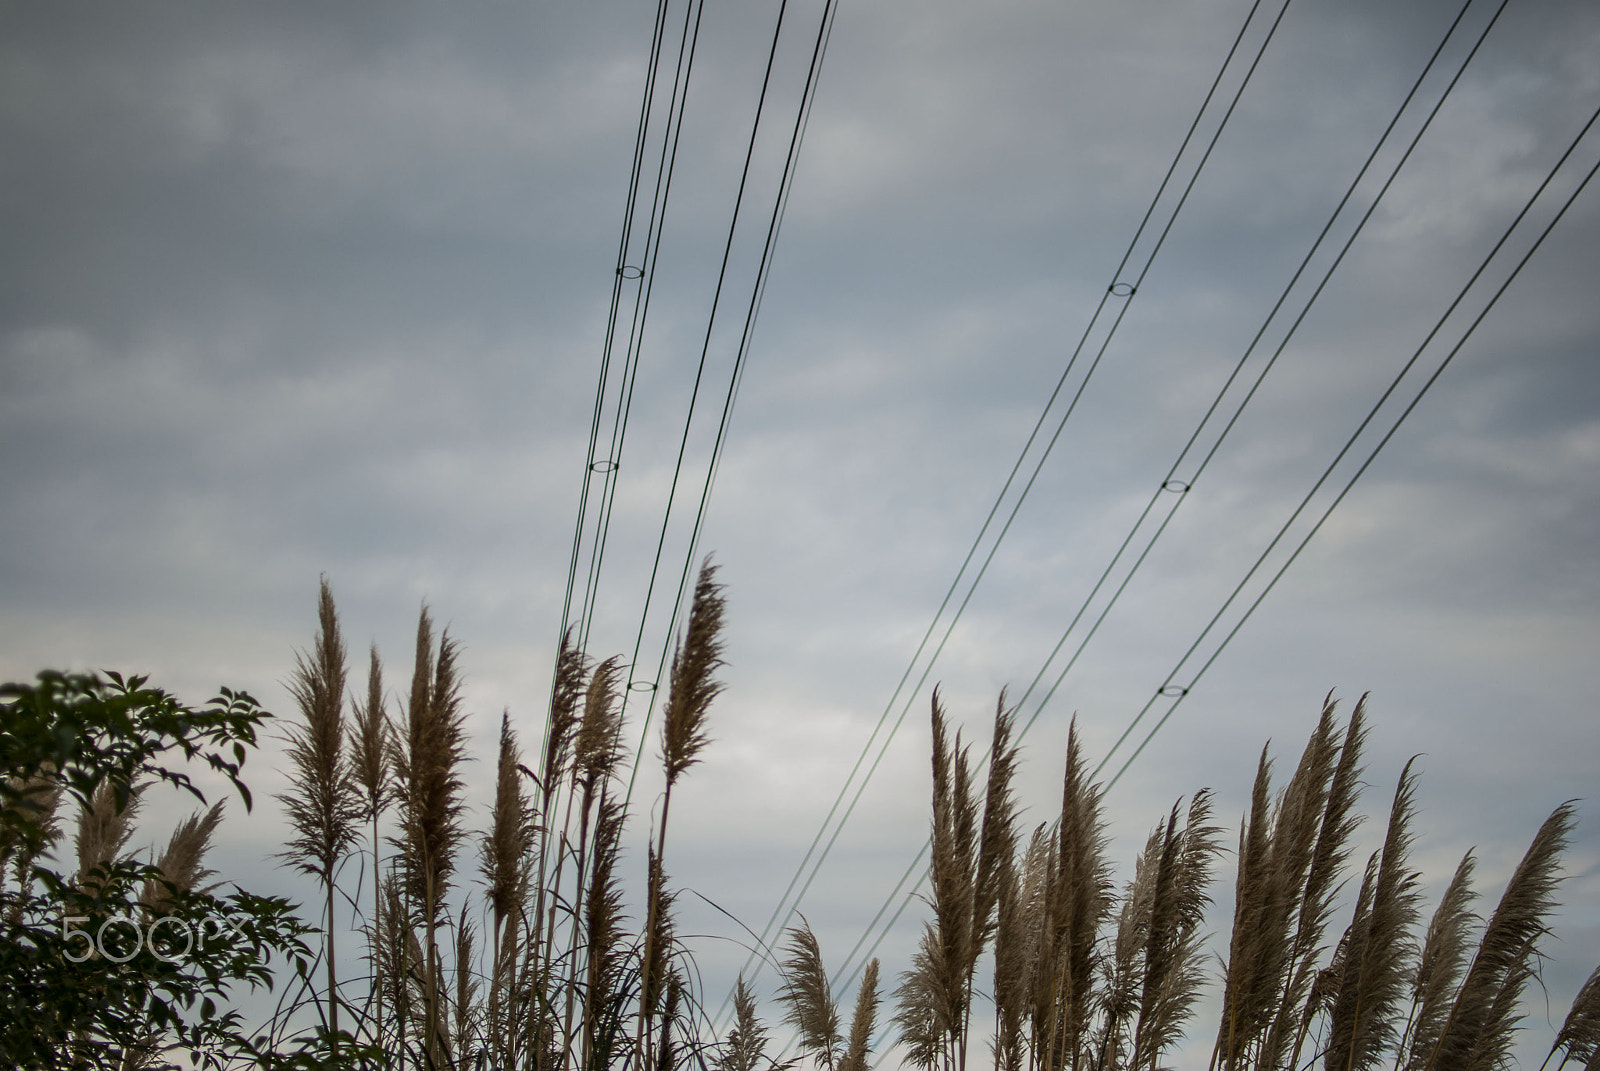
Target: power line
<point x="1178" y="693"/>
<point x="1178" y="488"/>
<point x="1119" y="289"/>
<point x="1178" y="697"/>
<point x="752" y="312"/>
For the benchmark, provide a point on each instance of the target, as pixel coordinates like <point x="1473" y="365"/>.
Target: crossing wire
<point x="1372" y="455"/>
<point x="1170" y="483"/>
<point x="660" y="195"/>
<point x="751" y="307"/>
<point x="752" y="312"/>
<point x="1118" y="288"/>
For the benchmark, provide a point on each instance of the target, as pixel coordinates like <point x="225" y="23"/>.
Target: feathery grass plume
<point x="597" y="748"/>
<point x="30" y="828"/>
<point x="431" y="806"/>
<point x="1292" y="926"/>
<point x="603" y="950"/>
<point x="1323" y="877"/>
<point x="953" y="878"/>
<point x="1478" y="1031"/>
<point x="1012" y="964"/>
<point x="1439" y="968"/>
<point x="1124" y="969"/>
<point x="811" y="1010"/>
<point x="1362" y="1017"/>
<point x="694" y="686"/>
<point x="1277" y="851"/>
<point x="371" y="746"/>
<point x="683" y="736"/>
<point x="503" y="852"/>
<point x="1172" y="973"/>
<point x="180" y="863"/>
<point x="466" y="1007"/>
<point x="666" y="1049"/>
<point x="572" y="669"/>
<point x="1579" y="1035"/>
<point x="321" y="805"/>
<point x="1078" y="901"/>
<point x="1243" y="989"/>
<point x="923" y="1013"/>
<point x="504" y="856"/>
<point x="566" y="691"/>
<point x="104" y="828"/>
<point x="859" y="1044"/>
<point x="997" y="845"/>
<point x="660" y="935"/>
<point x="744" y="1048"/>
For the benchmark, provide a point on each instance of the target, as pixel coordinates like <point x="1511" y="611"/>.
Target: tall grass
<point x="1328" y="961"/>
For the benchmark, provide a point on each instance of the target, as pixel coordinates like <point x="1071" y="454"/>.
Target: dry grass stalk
<point x="505" y="861"/>
<point x="1329" y="858"/>
<point x="1012" y="964"/>
<point x="694" y="685"/>
<point x="683" y="737"/>
<point x="181" y="863"/>
<point x="744" y="1048"/>
<point x="431" y="805"/>
<point x="467" y="1012"/>
<point x="1439" y="968"/>
<point x="371" y="751"/>
<point x="1171" y="972"/>
<point x="1579" y="1036"/>
<point x="321" y="804"/>
<point x="1478" y="1031"/>
<point x="32" y="825"/>
<point x="1362" y="1026"/>
<point x="811" y="1010"/>
<point x="603" y="941"/>
<point x="104" y="828"/>
<point x="923" y="1014"/>
<point x="1289" y="856"/>
<point x="858" y="1046"/>
<point x="1078" y="903"/>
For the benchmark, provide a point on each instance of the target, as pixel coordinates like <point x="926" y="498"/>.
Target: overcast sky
<point x="302" y="289"/>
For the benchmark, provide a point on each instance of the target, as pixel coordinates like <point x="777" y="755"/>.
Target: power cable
<point x="1118" y="289"/>
<point x="753" y="309"/>
<point x="1178" y="693"/>
<point x="665" y="170"/>
<point x="1179" y="488"/>
<point x="705" y="349"/>
<point x="1181" y="692"/>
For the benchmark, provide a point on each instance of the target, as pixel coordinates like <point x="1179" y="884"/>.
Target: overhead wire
<point x="1118" y="288"/>
<point x="1177" y="693"/>
<point x="747" y="334"/>
<point x="1384" y="441"/>
<point x="645" y="274"/>
<point x="635" y="683"/>
<point x="1179" y="487"/>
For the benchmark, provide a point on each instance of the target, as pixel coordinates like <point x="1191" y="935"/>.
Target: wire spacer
<point x="641" y="686"/>
<point x="1123" y="289"/>
<point x="629" y="271"/>
<point x="603" y="465"/>
<point x="1177" y="487"/>
<point x="1172" y="691"/>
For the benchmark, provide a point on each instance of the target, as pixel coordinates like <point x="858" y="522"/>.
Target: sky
<point x="303" y="290"/>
